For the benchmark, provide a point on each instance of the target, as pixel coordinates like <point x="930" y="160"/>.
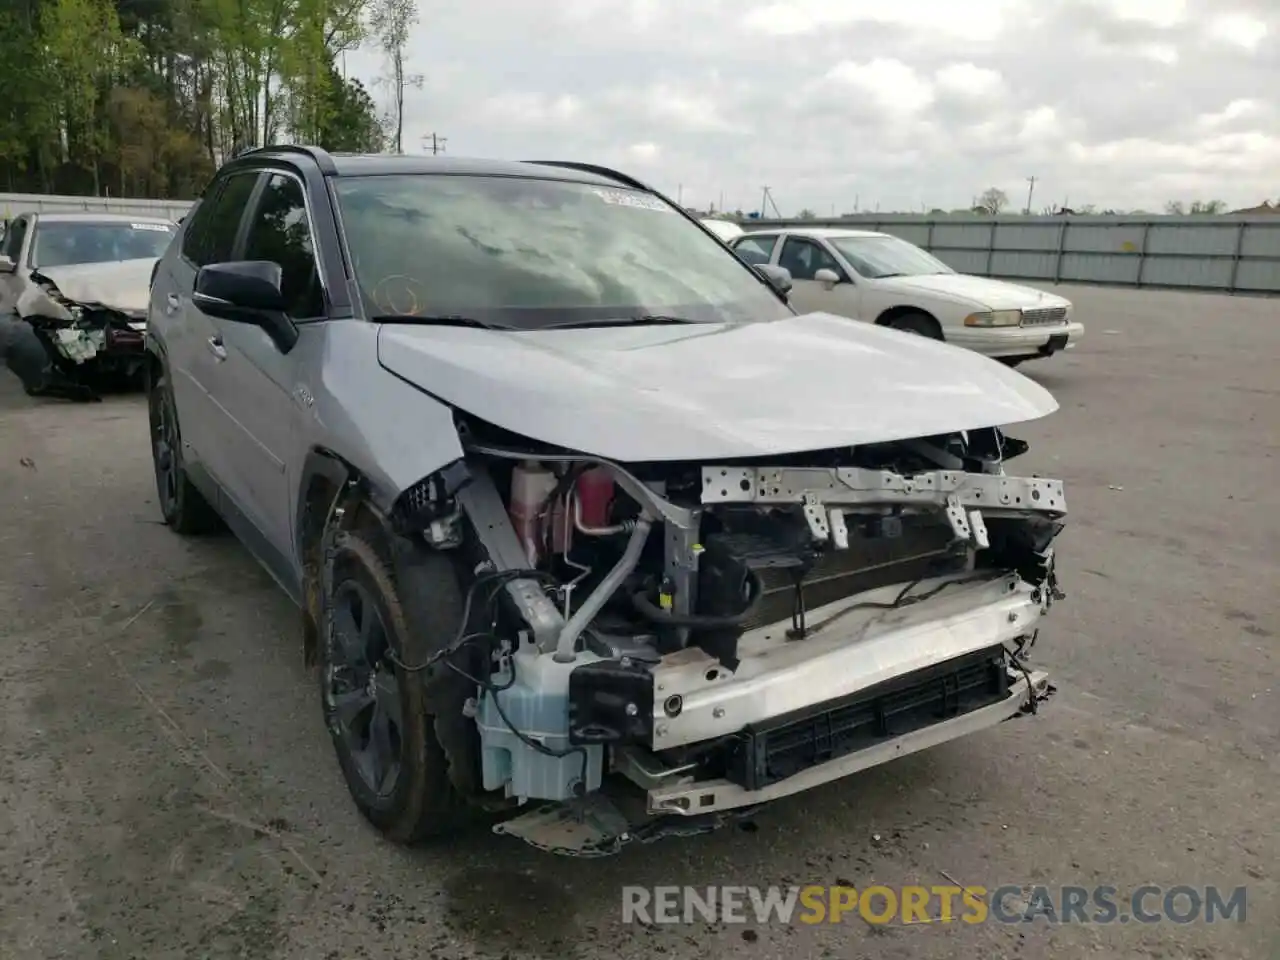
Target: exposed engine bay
<point x="91" y="320"/>
<point x="724" y="634"/>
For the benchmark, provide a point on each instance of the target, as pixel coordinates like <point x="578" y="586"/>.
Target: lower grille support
<point x="767" y="753"/>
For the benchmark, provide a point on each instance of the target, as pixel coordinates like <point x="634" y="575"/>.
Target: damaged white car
<point x="80" y="282"/>
<point x="588" y="528"/>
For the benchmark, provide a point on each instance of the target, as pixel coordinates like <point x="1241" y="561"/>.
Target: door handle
<point x="172" y="304"/>
<point x="216" y="348"/>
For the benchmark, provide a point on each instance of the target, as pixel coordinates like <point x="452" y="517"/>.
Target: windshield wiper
<point x="441" y="320"/>
<point x="649" y="319"/>
<point x="886" y="276"/>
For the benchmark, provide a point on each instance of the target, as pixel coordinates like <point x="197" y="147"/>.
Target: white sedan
<point x="888" y="281"/>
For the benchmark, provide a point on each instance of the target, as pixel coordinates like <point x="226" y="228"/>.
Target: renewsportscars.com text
<point x="1010" y="903"/>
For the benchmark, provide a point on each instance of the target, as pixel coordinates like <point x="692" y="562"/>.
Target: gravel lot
<point x="168" y="790"/>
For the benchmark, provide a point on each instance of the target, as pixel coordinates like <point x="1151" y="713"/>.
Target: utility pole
<point x="1031" y="189"/>
<point x="766" y="201"/>
<point x="437" y="142"/>
<point x="679" y="194"/>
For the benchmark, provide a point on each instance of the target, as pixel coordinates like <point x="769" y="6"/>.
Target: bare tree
<point x="992" y="201"/>
<point x="805" y="214"/>
<point x="390" y="23"/>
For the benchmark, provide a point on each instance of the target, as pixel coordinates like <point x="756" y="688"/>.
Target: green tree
<point x="69" y="29"/>
<point x="351" y="122"/>
<point x="147" y="97"/>
<point x="28" y="117"/>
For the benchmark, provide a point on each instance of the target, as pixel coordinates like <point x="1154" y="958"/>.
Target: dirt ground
<point x="168" y="790"/>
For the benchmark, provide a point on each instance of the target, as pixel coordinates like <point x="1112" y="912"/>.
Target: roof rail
<point x="318" y="154"/>
<point x="598" y="170"/>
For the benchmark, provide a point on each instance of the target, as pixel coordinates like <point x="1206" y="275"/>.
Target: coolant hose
<point x="598" y="597"/>
<point x="698" y="621"/>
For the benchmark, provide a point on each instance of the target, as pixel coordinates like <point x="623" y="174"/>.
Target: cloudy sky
<point x="895" y="103"/>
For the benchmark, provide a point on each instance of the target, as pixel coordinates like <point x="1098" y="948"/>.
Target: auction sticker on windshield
<point x="625" y="198"/>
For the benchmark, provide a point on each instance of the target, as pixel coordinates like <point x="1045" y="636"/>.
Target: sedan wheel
<point x="920" y="324"/>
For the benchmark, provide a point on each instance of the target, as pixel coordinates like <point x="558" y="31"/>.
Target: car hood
<point x="726" y="230"/>
<point x="712" y="391"/>
<point x="122" y="285"/>
<point x="993" y="294"/>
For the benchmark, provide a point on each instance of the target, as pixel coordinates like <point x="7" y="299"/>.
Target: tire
<point x="920" y="324"/>
<point x="183" y="507"/>
<point x="387" y="722"/>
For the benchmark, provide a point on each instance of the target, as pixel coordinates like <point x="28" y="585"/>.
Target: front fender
<point x="319" y="464"/>
<point x="365" y="419"/>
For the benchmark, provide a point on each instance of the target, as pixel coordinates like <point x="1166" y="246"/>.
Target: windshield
<point x="531" y="253"/>
<point x="60" y="244"/>
<point x="875" y="257"/>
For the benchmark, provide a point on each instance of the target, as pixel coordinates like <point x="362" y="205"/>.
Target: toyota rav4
<point x="592" y="535"/>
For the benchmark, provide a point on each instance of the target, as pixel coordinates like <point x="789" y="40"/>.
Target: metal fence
<point x="1221" y="253"/>
<point x="13" y="204"/>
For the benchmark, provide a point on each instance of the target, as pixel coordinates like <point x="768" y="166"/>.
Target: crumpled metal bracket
<point x="592" y="826"/>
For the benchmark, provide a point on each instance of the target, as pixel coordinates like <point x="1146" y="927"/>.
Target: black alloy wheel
<point x="362" y="690"/>
<point x="398" y="727"/>
<point x="182" y="506"/>
<point x="164" y="447"/>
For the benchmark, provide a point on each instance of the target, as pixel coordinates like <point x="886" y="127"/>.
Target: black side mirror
<point x="246" y="291"/>
<point x="779" y="277"/>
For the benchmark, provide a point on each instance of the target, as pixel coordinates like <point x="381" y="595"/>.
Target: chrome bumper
<point x="1015" y="341"/>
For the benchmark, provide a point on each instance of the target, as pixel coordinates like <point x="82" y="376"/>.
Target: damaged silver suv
<point x="592" y="535"/>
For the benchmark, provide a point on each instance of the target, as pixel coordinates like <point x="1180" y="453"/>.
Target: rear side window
<point x="212" y="231"/>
